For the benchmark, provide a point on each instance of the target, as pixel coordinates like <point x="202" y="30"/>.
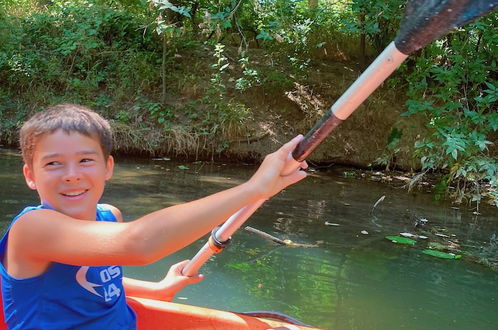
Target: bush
<point x="454" y="84"/>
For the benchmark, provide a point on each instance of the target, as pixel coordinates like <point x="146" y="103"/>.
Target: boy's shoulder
<point x="26" y="210"/>
<point x="111" y="208"/>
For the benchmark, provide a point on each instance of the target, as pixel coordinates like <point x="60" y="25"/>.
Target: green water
<point x="351" y="281"/>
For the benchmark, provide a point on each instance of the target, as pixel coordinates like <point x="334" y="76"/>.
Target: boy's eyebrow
<point x="87" y="152"/>
<point x="56" y="154"/>
<point x="52" y="155"/>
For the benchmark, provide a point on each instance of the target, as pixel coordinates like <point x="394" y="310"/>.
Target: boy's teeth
<point x="75" y="193"/>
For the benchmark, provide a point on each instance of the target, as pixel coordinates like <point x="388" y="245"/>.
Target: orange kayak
<point x="154" y="314"/>
<point x="157" y="315"/>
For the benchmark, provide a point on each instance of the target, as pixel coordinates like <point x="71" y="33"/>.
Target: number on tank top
<point x="111" y="291"/>
<point x="114" y="271"/>
<point x="109" y="273"/>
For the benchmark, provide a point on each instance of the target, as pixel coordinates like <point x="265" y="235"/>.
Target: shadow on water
<point x="351" y="281"/>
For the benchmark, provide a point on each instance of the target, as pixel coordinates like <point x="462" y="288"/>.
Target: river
<point x="354" y="279"/>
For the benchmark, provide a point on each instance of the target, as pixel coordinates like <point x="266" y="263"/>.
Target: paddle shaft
<point x="365" y="85"/>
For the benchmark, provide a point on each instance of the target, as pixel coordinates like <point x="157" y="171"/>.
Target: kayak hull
<point x="154" y="314"/>
<point x="157" y="315"/>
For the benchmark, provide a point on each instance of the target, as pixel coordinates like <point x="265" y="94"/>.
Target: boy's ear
<point x="109" y="167"/>
<point x="28" y="176"/>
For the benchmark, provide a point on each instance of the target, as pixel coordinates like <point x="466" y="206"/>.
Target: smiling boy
<point x="61" y="260"/>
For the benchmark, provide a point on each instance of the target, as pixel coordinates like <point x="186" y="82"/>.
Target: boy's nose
<point x="72" y="174"/>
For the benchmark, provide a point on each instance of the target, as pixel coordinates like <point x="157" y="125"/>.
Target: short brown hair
<point x="69" y="118"/>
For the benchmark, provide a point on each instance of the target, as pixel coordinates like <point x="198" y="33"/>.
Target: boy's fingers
<point x="179" y="266"/>
<point x="291" y="145"/>
<point x="193" y="279"/>
<point x="198" y="278"/>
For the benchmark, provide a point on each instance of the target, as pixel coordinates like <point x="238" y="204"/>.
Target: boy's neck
<point x="90" y="216"/>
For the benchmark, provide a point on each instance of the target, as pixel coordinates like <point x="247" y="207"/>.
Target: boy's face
<point x="69" y="172"/>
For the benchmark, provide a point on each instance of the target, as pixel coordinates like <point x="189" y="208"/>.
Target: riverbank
<point x="254" y="121"/>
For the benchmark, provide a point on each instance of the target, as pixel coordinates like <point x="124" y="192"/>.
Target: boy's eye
<point x="53" y="163"/>
<point x="86" y="160"/>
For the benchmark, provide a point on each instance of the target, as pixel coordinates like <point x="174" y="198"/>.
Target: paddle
<point x="424" y="21"/>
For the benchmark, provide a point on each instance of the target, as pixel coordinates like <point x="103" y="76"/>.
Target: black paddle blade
<point x="427" y="20"/>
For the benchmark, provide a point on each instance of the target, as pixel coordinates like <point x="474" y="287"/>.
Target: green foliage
<point x="79" y="50"/>
<point x="224" y="115"/>
<point x="219" y="67"/>
<point x="388" y="158"/>
<point x="250" y="76"/>
<point x="454" y="85"/>
<point x="286" y="26"/>
<point x="165" y="4"/>
<point x="159" y="114"/>
<point x="378" y="20"/>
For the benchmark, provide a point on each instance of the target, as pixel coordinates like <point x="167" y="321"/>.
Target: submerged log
<point x="277" y="240"/>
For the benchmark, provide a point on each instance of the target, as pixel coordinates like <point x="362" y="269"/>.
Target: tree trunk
<point x="163" y="69"/>
<point x="363" y="36"/>
<point x="193" y="14"/>
<point x="312" y="4"/>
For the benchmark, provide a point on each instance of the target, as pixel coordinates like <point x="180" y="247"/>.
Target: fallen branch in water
<point x="377" y="203"/>
<point x="277" y="240"/>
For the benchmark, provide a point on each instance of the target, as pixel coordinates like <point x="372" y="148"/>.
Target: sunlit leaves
<point x="165" y="4"/>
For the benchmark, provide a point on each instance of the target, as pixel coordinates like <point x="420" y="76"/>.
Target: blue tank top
<point x="66" y="296"/>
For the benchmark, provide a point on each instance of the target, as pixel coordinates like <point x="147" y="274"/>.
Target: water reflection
<point x="351" y="281"/>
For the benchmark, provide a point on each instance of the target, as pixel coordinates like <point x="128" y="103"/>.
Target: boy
<point x="58" y="259"/>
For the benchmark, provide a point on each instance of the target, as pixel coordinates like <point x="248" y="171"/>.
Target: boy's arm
<point x="164" y="290"/>
<point x="49" y="236"/>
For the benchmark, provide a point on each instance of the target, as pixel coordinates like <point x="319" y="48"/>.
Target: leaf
<point x="183" y="167"/>
<point x="394" y="137"/>
<point x="264" y="35"/>
<point x="401" y="240"/>
<point x="482" y="144"/>
<point x="493" y="121"/>
<point x="442" y="255"/>
<point x="454" y="154"/>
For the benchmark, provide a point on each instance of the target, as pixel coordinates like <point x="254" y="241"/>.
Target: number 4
<point x="111" y="291"/>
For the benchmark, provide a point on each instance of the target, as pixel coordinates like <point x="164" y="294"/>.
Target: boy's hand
<point x="175" y="281"/>
<point x="279" y="170"/>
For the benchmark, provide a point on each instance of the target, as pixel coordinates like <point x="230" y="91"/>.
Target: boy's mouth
<point x="74" y="193"/>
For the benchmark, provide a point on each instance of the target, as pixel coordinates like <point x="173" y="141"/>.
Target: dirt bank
<point x="278" y="115"/>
